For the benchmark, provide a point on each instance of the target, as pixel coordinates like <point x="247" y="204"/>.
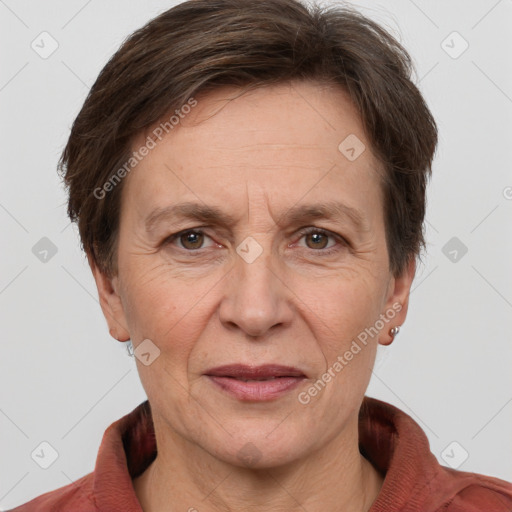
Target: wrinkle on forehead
<point x="270" y="146"/>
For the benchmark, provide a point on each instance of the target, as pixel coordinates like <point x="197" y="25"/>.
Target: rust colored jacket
<point x="394" y="443"/>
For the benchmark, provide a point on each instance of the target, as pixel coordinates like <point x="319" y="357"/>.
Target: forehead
<point x="298" y="114"/>
<point x="277" y="139"/>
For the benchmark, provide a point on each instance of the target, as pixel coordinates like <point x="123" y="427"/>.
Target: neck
<point x="184" y="476"/>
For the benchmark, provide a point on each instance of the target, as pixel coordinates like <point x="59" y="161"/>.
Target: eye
<point x="321" y="240"/>
<point x="190" y="240"/>
<point x="316" y="239"/>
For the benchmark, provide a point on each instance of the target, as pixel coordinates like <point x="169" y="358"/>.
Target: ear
<point x="110" y="302"/>
<point x="397" y="302"/>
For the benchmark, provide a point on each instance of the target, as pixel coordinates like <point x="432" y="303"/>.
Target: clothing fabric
<point x="395" y="444"/>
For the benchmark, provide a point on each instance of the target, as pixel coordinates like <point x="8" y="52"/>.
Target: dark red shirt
<point x="395" y="444"/>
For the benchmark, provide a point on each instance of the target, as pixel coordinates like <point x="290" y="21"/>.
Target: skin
<point x="254" y="157"/>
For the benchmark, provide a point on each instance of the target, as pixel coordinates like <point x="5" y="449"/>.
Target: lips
<point x="255" y="383"/>
<point x="263" y="372"/>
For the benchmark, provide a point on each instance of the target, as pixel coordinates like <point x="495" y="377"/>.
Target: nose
<point x="256" y="300"/>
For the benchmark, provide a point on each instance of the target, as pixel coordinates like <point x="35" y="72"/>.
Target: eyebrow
<point x="294" y="215"/>
<point x="189" y="210"/>
<point x="329" y="210"/>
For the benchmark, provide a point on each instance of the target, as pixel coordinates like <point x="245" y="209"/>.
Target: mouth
<point x="255" y="383"/>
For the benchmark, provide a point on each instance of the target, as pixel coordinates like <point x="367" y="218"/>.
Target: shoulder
<point x="75" y="497"/>
<point x="414" y="479"/>
<point x="472" y="492"/>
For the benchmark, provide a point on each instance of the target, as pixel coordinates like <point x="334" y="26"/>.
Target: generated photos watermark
<point x="305" y="397"/>
<point x="151" y="142"/>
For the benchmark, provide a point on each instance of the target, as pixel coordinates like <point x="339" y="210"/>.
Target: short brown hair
<point x="200" y="45"/>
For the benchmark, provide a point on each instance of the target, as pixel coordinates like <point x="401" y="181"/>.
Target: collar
<point x="390" y="439"/>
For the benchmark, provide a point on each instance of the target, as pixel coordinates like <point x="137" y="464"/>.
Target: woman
<point x="249" y="183"/>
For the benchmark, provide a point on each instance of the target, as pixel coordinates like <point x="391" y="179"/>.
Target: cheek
<point x="338" y="310"/>
<point x="169" y="311"/>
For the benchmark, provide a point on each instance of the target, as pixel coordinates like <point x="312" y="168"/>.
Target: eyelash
<point x="324" y="252"/>
<point x="303" y="232"/>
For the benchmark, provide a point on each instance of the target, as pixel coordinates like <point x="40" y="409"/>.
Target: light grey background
<point x="64" y="380"/>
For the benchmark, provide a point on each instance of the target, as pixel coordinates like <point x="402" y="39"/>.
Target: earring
<point x="394" y="331"/>
<point x="129" y="347"/>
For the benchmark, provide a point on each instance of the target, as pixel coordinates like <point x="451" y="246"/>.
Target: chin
<point x="260" y="450"/>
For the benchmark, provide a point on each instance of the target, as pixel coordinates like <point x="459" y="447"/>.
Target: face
<point x="248" y="238"/>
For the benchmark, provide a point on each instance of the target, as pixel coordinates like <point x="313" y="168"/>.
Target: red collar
<point x="390" y="439"/>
